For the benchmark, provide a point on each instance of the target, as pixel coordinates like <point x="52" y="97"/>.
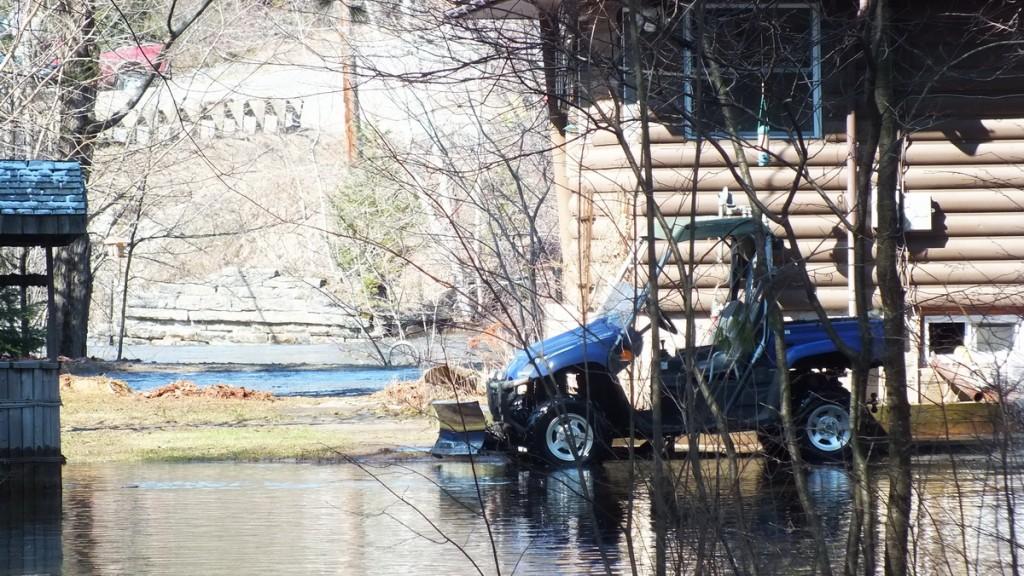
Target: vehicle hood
<point x="590" y="343"/>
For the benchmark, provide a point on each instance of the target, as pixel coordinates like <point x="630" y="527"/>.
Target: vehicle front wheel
<point x="567" y="432"/>
<point x="823" y="427"/>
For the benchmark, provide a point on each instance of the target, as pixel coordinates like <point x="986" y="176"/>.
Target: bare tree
<point x="65" y="77"/>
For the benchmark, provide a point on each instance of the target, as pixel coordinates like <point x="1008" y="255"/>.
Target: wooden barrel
<point x="29" y="412"/>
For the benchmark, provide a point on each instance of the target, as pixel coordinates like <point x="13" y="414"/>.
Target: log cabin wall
<point x="972" y="255"/>
<point x="962" y="89"/>
<point x="607" y="208"/>
<point x="972" y="258"/>
<point x="961" y="95"/>
<point x="967" y="163"/>
<point x="605" y="181"/>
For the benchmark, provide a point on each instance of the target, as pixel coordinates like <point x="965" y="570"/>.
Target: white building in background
<point x="298" y="89"/>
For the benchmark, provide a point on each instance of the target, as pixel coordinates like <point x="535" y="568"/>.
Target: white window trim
<point x="689" y="66"/>
<point x="970" y="322"/>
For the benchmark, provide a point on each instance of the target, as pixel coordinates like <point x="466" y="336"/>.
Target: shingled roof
<point x="41" y="202"/>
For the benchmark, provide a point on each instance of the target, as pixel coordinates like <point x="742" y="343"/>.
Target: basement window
<point x="945" y="337"/>
<point x="991" y="337"/>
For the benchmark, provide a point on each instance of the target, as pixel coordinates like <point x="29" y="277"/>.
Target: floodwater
<point x="451" y="346"/>
<point x="442" y="517"/>
<point x="343" y="381"/>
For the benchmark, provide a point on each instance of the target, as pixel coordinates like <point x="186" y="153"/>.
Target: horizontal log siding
<point x="993" y="299"/>
<point x="663" y="135"/>
<point x="921" y="274"/>
<point x="710" y="179"/>
<point x="791" y="300"/>
<point x="974" y="255"/>
<point x="606" y="180"/>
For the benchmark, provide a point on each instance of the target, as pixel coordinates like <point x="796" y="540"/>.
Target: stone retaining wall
<point x="238" y="306"/>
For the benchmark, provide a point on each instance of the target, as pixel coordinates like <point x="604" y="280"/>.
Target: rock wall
<point x="238" y="306"/>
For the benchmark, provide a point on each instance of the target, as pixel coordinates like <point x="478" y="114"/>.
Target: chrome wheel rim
<point x="566" y="433"/>
<point x="828" y="428"/>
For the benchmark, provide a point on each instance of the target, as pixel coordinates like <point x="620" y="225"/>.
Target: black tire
<point x="555" y="428"/>
<point x="823" y="426"/>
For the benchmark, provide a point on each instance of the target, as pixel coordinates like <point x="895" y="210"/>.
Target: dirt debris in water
<point x="438" y="383"/>
<point x="94" y="384"/>
<point x="177" y="389"/>
<point x="188" y="388"/>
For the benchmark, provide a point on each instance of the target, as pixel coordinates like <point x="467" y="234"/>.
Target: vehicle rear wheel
<point x="823" y="426"/>
<point x="567" y="432"/>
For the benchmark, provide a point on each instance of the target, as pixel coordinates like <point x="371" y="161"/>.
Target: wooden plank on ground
<point x="952" y="422"/>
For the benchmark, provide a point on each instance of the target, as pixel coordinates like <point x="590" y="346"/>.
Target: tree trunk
<point x="863" y="535"/>
<point x="72" y="282"/>
<point x="897" y="525"/>
<point x="72" y="271"/>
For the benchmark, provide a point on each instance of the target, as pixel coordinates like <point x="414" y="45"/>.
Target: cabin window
<point x="569" y="69"/>
<point x="945" y="337"/>
<point x="768" y="60"/>
<point x="992" y="337"/>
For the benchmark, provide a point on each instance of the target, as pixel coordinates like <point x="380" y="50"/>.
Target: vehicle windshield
<point x="623" y="300"/>
<point x="741" y="272"/>
<point x="620" y="304"/>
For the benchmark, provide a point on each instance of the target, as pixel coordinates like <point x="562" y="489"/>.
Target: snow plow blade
<point x="463" y="429"/>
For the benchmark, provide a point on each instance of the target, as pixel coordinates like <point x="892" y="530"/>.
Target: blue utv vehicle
<point x="560" y="399"/>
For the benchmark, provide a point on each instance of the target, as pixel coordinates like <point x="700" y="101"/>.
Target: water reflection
<point x="458" y="518"/>
<point x="30" y="522"/>
<point x="542" y="521"/>
<point x="346" y="381"/>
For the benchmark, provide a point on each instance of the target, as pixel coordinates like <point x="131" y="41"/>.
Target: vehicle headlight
<point x="526" y="373"/>
<point x="510" y="384"/>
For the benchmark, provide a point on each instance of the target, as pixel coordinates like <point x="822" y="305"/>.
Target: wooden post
<point x="51" y="317"/>
<point x="23" y="296"/>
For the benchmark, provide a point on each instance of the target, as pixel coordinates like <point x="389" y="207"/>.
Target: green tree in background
<point x="379" y="227"/>
<point x="19" y="337"/>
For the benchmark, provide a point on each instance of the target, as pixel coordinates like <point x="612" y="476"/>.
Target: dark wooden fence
<point x="29" y="412"/>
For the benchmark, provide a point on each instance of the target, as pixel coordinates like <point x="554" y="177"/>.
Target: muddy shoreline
<point x="104" y="420"/>
<point x="102" y="426"/>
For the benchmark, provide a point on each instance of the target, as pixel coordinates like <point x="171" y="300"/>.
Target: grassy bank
<point x="98" y="426"/>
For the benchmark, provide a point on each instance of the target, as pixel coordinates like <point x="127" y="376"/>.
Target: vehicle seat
<point x="736" y="337"/>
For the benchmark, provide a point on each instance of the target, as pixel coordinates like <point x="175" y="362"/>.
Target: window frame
<point x="689" y="67"/>
<point x="971" y="323"/>
<point x="976" y="337"/>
